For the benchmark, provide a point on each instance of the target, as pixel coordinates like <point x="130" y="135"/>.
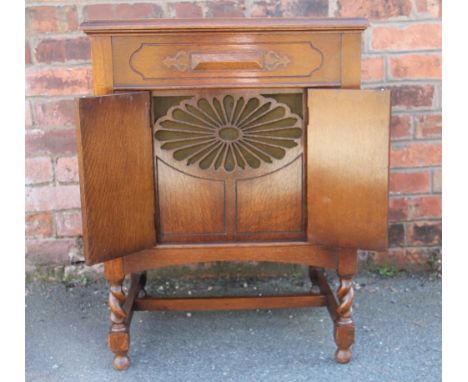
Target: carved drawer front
<point x="229" y="166"/>
<point x="307" y="59"/>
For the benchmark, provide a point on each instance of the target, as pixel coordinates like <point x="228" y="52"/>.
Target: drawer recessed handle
<point x="227" y="61"/>
<point x="209" y="61"/>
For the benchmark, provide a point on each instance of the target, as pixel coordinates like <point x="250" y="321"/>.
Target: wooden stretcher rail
<point x="230" y="303"/>
<point x="332" y="303"/>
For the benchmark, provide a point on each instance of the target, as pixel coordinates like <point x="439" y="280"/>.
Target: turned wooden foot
<point x="343" y="356"/>
<point x="118" y="335"/>
<point x="344" y="326"/>
<point x="121" y="362"/>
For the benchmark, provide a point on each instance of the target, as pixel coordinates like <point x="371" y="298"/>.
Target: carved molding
<point x="273" y="60"/>
<point x="229" y="132"/>
<point x="164" y="61"/>
<point x="180" y="61"/>
<point x="268" y="61"/>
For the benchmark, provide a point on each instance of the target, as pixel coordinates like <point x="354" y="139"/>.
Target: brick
<point x="38" y="170"/>
<point x="27" y="53"/>
<point x="122" y="11"/>
<point x="410" y="96"/>
<point x="410" y="182"/>
<point x="267" y="8"/>
<point x="400" y="127"/>
<point x="397" y="209"/>
<point x="431" y="8"/>
<point x="28" y="120"/>
<point x="396" y="235"/>
<point x="424" y="233"/>
<point x="53" y="113"/>
<point x="425" y="207"/>
<point x="422" y="259"/>
<point x="224" y="8"/>
<point x="46" y="19"/>
<point x="51" y="251"/>
<point x="39" y="225"/>
<point x="416" y="66"/>
<point x="410" y="37"/>
<point x="374" y="9"/>
<point x="61" y="50"/>
<point x="49" y="198"/>
<point x="304" y="8"/>
<point x="69" y="223"/>
<point x="54" y="142"/>
<point x="428" y="126"/>
<point x="58" y="81"/>
<point x="67" y="170"/>
<point x="392" y="257"/>
<point x="372" y="69"/>
<point x="437" y="181"/>
<point x="410" y="259"/>
<point x="416" y="155"/>
<point x="416" y="207"/>
<point x="187" y="9"/>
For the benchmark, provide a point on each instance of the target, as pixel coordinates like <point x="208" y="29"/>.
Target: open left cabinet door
<point x="116" y="175"/>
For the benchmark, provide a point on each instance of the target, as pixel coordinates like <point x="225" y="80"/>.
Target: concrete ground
<point x="398" y="324"/>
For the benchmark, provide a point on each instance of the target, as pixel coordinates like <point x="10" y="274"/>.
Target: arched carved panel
<point x="230" y="136"/>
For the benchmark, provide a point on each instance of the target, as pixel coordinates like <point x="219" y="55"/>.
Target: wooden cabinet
<point x="222" y="140"/>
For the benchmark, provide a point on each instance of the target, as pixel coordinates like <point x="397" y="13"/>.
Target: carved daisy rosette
<point x="230" y="133"/>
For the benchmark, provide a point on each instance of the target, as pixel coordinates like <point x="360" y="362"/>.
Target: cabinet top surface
<point x="223" y="25"/>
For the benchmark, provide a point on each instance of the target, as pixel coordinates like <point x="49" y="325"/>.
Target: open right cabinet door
<point x="347" y="168"/>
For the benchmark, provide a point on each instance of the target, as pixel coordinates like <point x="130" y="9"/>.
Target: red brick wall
<point x="401" y="52"/>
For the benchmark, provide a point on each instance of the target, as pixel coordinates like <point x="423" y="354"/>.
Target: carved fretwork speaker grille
<point x="229" y="166"/>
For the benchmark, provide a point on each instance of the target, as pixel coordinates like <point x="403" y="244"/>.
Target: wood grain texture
<point x="271" y="207"/>
<point x="273" y="202"/>
<point x="351" y="60"/>
<point x="348" y="148"/>
<point x="188" y="205"/>
<point x="224" y="157"/>
<point x="230" y="303"/>
<point x="116" y="175"/>
<point x="227" y="60"/>
<point x="222" y="25"/>
<point x="101" y="59"/>
<point x="165" y="255"/>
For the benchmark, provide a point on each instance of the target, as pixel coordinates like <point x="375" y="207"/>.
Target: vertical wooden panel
<point x="348" y="142"/>
<point x="101" y="57"/>
<point x="273" y="202"/>
<point x="351" y="60"/>
<point x="188" y="205"/>
<point x="116" y="175"/>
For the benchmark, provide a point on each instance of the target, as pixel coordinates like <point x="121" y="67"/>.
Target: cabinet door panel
<point x="116" y="175"/>
<point x="188" y="206"/>
<point x="230" y="165"/>
<point x="348" y="146"/>
<point x="271" y="203"/>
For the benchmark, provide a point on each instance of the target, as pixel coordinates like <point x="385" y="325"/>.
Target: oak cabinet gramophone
<point x="231" y="140"/>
